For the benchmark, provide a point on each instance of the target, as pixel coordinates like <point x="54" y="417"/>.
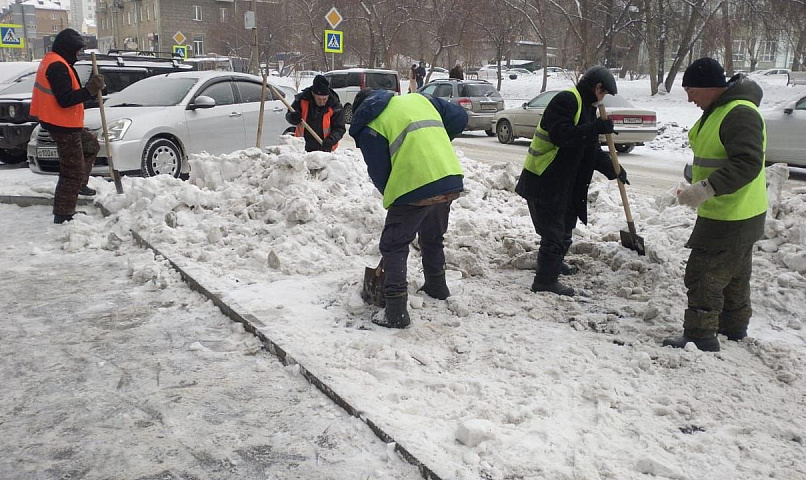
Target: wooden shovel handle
<point x="616" y="167"/>
<point x="291" y="109"/>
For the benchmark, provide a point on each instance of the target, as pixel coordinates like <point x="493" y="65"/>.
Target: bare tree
<point x="535" y="13"/>
<point x="383" y="21"/>
<point x="439" y="18"/>
<point x="499" y="23"/>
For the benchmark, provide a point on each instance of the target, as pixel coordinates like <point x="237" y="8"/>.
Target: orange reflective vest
<point x="44" y="104"/>
<point x="300" y="130"/>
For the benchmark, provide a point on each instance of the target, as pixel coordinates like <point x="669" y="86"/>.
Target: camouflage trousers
<point x="718" y="283"/>
<point x="77" y="152"/>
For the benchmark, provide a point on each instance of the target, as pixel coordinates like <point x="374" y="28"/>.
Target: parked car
<point x="519" y="71"/>
<point x="119" y="71"/>
<point x="306" y="74"/>
<point x="346" y="83"/>
<point x="478" y="97"/>
<point x="156" y="123"/>
<point x="634" y="126"/>
<point x="769" y="72"/>
<point x="13" y="72"/>
<point x="490" y="72"/>
<point x="786" y="141"/>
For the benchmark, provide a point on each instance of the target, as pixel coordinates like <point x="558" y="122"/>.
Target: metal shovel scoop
<point x="629" y="239"/>
<point x="372" y="290"/>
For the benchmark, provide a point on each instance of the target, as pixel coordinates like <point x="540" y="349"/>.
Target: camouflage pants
<point x="77" y="152"/>
<point x="718" y="283"/>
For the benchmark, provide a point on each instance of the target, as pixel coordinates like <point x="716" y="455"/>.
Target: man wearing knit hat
<point x="321" y="109"/>
<point x="729" y="192"/>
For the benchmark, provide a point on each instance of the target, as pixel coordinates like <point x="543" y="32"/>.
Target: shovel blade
<point x="633" y="242"/>
<point x="372" y="290"/>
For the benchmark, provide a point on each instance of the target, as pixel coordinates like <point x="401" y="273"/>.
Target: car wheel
<point x="161" y="157"/>
<point x="624" y="147"/>
<point x="290" y="130"/>
<point x="489" y="132"/>
<point x="13" y="157"/>
<point x="504" y="131"/>
<point x="348" y="113"/>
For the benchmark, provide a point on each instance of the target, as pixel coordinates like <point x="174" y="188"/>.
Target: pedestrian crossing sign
<point x="334" y="41"/>
<point x="180" y="51"/>
<point x="10" y="36"/>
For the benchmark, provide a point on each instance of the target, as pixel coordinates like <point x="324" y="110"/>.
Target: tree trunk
<point x="661" y="71"/>
<point x="685" y="43"/>
<point x="727" y="39"/>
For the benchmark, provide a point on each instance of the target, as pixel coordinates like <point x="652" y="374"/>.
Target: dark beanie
<point x="320" y="85"/>
<point x="360" y="97"/>
<point x="704" y="73"/>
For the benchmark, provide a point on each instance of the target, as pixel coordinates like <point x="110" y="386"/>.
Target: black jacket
<point x="67" y="45"/>
<point x="315" y="116"/>
<point x="564" y="184"/>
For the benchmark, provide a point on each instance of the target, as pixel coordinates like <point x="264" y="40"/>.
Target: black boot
<point x="553" y="287"/>
<point x="733" y="336"/>
<point x="548" y="270"/>
<point x="396" y="313"/>
<point x="435" y="286"/>
<point x="62" y="218"/>
<point x="567" y="269"/>
<point x="87" y="191"/>
<point x="707" y="344"/>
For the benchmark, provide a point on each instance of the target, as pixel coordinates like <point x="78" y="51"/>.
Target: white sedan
<point x="156" y="123"/>
<point x="786" y="142"/>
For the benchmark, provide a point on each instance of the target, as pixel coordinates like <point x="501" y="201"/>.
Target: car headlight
<point x="12" y="111"/>
<point x="117" y="130"/>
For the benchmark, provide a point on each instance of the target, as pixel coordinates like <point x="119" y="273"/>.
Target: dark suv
<point x="119" y="71"/>
<point x="478" y="97"/>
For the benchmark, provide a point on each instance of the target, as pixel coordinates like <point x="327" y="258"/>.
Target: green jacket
<point x="742" y="134"/>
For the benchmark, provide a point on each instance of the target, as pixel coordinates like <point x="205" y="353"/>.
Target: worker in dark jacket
<point x="558" y="169"/>
<point x="58" y="101"/>
<point x="321" y="109"/>
<point x="729" y="191"/>
<point x="406" y="143"/>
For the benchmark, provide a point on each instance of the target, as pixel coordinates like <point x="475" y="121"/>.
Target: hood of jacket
<point x="332" y="99"/>
<point x="369" y="110"/>
<point x="67" y="44"/>
<point x="740" y="88"/>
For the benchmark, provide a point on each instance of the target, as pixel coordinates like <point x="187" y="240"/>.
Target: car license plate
<point x="47" y="153"/>
<point x="633" y="120"/>
<point x="489" y="106"/>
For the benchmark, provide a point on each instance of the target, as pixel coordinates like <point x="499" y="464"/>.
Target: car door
<point x="274" y="123"/>
<point x="526" y="119"/>
<point x="785" y="139"/>
<point x="219" y="129"/>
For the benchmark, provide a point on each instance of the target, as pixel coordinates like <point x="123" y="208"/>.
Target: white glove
<point x="696" y="194"/>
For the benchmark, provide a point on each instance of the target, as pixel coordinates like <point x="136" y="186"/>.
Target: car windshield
<point x="615" y="101"/>
<point x="480" y="90"/>
<point x="154" y="92"/>
<point x="25" y="85"/>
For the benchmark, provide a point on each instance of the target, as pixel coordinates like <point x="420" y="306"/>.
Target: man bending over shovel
<point x="406" y="142"/>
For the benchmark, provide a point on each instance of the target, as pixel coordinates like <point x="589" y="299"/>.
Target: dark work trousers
<point x="77" y="152"/>
<point x="403" y="222"/>
<point x="718" y="283"/>
<point x="555" y="230"/>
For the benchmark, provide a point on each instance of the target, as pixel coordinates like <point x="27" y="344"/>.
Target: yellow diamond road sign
<point x="179" y="38"/>
<point x="333" y="17"/>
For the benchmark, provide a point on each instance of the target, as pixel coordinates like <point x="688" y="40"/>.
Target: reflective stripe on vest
<point x="419" y="147"/>
<point x="300" y="130"/>
<point x="44" y="104"/>
<point x="541" y="151"/>
<point x="710" y="155"/>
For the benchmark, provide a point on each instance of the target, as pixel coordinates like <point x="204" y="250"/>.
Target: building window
<point x="738" y="51"/>
<point x="198" y="45"/>
<point x="55" y="28"/>
<point x="224" y="13"/>
<point x="766" y="51"/>
<point x="148" y="14"/>
<point x="53" y="16"/>
<point x="197" y="13"/>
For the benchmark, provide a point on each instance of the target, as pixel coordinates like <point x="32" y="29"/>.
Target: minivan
<point x="346" y="83"/>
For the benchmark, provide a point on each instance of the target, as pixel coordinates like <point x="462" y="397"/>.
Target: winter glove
<point x="96" y="84"/>
<point x="327" y="145"/>
<point x="696" y="194"/>
<point x="622" y="176"/>
<point x="604" y="127"/>
<point x="294" y="118"/>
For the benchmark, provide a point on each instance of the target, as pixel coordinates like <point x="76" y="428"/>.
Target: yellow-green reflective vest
<point x="710" y="155"/>
<point x="419" y="146"/>
<point x="542" y="152"/>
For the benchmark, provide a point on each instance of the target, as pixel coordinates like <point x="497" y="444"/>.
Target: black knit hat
<point x="320" y="85"/>
<point x="705" y="73"/>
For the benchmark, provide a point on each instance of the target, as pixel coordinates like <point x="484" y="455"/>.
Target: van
<point x="346" y="83"/>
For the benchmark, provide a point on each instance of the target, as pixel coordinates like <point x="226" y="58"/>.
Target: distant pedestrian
<point x="420" y="74"/>
<point x="413" y="79"/>
<point x="457" y="72"/>
<point x="321" y="109"/>
<point x="58" y="101"/>
<point x="728" y="190"/>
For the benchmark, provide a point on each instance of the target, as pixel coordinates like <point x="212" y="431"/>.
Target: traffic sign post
<point x="10" y="36"/>
<point x="180" y="51"/>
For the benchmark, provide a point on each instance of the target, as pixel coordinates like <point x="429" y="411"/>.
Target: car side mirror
<point x="788" y="110"/>
<point x="525" y="105"/>
<point x="202" y="101"/>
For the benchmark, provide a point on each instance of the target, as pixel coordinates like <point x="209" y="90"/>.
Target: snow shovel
<point x="629" y="239"/>
<point x="372" y="291"/>
<point x="290" y="109"/>
<point x="112" y="172"/>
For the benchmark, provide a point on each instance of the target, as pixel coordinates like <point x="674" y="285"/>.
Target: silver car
<point x="634" y="126"/>
<point x="156" y="123"/>
<point x="478" y="97"/>
<point x="786" y="141"/>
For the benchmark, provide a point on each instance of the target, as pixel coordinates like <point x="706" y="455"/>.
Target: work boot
<point x="435" y="286"/>
<point x="396" y="313"/>
<point x="62" y="218"/>
<point x="708" y="344"/>
<point x="87" y="191"/>
<point x="733" y="336"/>
<point x="567" y="269"/>
<point x="553" y="287"/>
